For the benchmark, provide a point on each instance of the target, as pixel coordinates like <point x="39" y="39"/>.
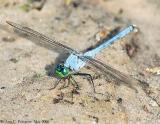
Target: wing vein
<point x="108" y="70"/>
<point x="39" y="36"/>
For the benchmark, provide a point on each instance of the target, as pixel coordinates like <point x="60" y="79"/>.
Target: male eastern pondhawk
<point x="77" y="60"/>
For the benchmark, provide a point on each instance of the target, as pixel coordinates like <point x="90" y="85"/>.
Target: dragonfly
<point x="77" y="60"/>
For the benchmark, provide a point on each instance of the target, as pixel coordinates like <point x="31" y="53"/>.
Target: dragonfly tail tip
<point x="135" y="28"/>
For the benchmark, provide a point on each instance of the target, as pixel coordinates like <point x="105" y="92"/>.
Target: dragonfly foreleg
<point x="88" y="77"/>
<point x="92" y="84"/>
<point x="65" y="85"/>
<point x="75" y="84"/>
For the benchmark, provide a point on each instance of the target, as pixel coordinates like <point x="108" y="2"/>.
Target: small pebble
<point x="3" y="87"/>
<point x="119" y="100"/>
<point x="14" y="60"/>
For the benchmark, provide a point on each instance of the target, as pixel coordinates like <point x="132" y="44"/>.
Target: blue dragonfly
<point x="76" y="60"/>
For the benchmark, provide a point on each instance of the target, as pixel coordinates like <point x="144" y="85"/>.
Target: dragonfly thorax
<point x="74" y="62"/>
<point x="61" y="71"/>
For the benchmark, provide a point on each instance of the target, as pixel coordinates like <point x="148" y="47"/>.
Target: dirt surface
<point x="24" y="66"/>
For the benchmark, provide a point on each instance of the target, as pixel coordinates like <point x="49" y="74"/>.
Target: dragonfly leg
<point x="89" y="77"/>
<point x="55" y="85"/>
<point x="75" y="84"/>
<point x="66" y="85"/>
<point x="91" y="82"/>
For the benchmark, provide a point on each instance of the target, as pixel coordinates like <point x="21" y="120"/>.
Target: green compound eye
<point x="61" y="71"/>
<point x="65" y="71"/>
<point x="59" y="67"/>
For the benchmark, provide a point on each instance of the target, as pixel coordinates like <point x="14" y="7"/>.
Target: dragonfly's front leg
<point x="91" y="82"/>
<point x="75" y="84"/>
<point x="89" y="77"/>
<point x="68" y="83"/>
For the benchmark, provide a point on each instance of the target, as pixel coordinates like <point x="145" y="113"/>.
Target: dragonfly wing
<point x="40" y="37"/>
<point x="109" y="71"/>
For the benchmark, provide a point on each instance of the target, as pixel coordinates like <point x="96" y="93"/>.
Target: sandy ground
<point x="24" y="81"/>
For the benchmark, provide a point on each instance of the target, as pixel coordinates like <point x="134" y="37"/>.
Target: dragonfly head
<point x="61" y="71"/>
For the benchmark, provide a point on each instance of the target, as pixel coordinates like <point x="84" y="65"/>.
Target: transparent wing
<point x="46" y="40"/>
<point x="109" y="71"/>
